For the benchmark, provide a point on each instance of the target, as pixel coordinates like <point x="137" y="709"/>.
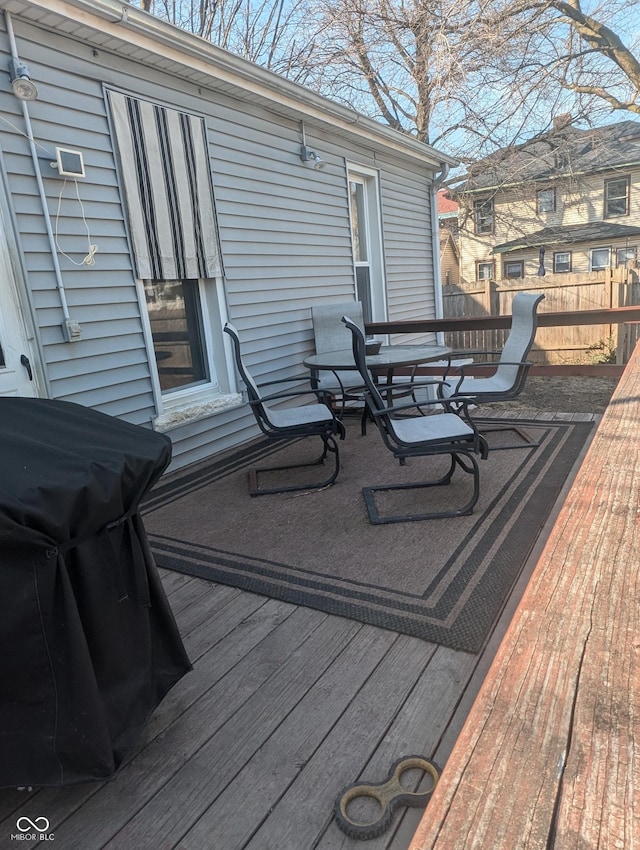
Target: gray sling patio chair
<point x="453" y="434"/>
<point x="331" y="335"/>
<point x="289" y="423"/>
<point x="500" y="379"/>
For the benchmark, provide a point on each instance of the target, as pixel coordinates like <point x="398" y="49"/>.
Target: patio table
<point x="387" y="360"/>
<point x="90" y="643"/>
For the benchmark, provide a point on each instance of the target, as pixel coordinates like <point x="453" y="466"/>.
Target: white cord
<point x="89" y="260"/>
<point x="22" y="133"/>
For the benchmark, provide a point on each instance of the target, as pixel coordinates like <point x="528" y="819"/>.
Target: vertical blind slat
<point x="167" y="185"/>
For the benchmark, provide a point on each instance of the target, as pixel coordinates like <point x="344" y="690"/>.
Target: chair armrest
<point x="452" y="367"/>
<point x="292" y="394"/>
<point x="345" y="390"/>
<point x="462" y="400"/>
<point x="469" y="352"/>
<point x="492" y="365"/>
<point x="298" y="378"/>
<point x="461" y="374"/>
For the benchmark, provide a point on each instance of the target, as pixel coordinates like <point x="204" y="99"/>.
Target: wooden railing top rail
<point x="612" y="316"/>
<point x="548" y="757"/>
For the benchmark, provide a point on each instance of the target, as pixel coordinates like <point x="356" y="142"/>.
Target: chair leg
<point x="527" y="442"/>
<point x="366" y="415"/>
<point x="469" y="465"/>
<point x="330" y="447"/>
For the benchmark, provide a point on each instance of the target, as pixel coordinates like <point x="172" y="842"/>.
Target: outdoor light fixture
<point x="21" y="83"/>
<point x="311" y="156"/>
<point x="307" y="155"/>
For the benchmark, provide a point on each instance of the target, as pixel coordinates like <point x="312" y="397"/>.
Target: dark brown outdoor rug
<point x="443" y="580"/>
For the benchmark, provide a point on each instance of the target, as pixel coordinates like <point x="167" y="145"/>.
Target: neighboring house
<point x="157" y="186"/>
<point x="566" y="201"/>
<point x="448" y="229"/>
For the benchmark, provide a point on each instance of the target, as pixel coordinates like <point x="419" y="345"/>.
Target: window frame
<point x="369" y="273"/>
<point x="607" y="213"/>
<point x="220" y="392"/>
<point x="519" y="263"/>
<point x="479" y="222"/>
<point x="591" y="253"/>
<point x="198" y="337"/>
<point x="556" y="254"/>
<point x="540" y="192"/>
<point x="633" y="258"/>
<point x="490" y="263"/>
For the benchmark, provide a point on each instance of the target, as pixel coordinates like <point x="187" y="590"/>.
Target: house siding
<point x="108" y="368"/>
<point x="579" y="200"/>
<point x="407" y="206"/>
<point x="283" y="226"/>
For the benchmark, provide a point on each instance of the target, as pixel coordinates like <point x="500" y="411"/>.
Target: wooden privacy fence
<point x="564" y="293"/>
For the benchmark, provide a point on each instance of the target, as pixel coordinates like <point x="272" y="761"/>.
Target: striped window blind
<point x="167" y="185"/>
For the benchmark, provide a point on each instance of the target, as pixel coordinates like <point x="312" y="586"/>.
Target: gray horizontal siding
<point x="284" y="230"/>
<point x="407" y="221"/>
<point x="70" y="112"/>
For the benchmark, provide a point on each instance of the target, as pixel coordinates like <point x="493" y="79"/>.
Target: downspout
<point x="68" y="323"/>
<point x="438" y="178"/>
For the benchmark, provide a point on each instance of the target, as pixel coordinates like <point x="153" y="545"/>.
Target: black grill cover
<point x="89" y="643"/>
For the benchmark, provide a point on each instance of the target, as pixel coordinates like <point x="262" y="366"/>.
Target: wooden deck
<point x="548" y="758"/>
<point x="285" y="707"/>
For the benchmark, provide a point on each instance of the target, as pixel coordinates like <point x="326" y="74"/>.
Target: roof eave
<point x="549" y="177"/>
<point x="134" y="26"/>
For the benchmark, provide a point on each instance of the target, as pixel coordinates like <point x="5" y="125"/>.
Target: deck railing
<point x="615" y="317"/>
<point x="548" y="755"/>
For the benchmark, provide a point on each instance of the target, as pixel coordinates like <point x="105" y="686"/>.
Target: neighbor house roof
<point x="447" y="207"/>
<point x="121" y="28"/>
<point x="569" y="234"/>
<point x="565" y="151"/>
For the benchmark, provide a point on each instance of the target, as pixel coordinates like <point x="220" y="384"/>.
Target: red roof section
<point x="445" y="204"/>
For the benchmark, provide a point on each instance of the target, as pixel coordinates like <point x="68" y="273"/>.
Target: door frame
<point x="369" y="179"/>
<point x="17" y="288"/>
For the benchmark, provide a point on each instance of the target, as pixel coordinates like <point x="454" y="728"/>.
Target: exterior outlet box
<point x="71" y="330"/>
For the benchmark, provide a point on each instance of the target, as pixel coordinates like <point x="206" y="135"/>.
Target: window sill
<point x="190" y="412"/>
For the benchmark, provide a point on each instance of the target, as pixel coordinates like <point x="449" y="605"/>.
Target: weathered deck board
<point x="548" y="757"/>
<point x="285" y="706"/>
<point x="244" y="804"/>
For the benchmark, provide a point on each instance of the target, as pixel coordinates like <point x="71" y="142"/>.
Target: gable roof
<point x="446" y="240"/>
<point x="564" y="151"/>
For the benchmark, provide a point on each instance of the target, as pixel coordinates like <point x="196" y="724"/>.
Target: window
<point x="177" y="330"/>
<point x="483" y="216"/>
<point x="626" y="257"/>
<point x="366" y="242"/>
<point x="513" y="268"/>
<point x="616" y="197"/>
<point x="599" y="258"/>
<point x="562" y="261"/>
<point x="485" y="271"/>
<point x="165" y="174"/>
<point x="546" y="200"/>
